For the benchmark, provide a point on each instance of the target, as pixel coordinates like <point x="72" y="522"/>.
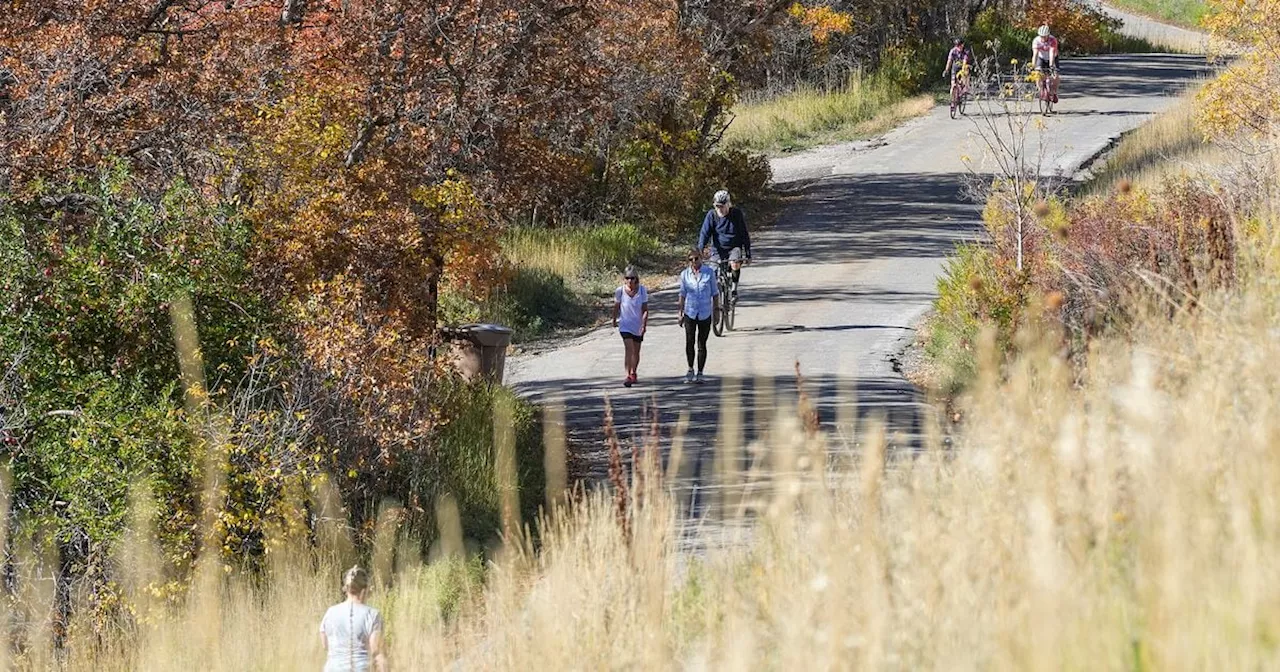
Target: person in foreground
<point x="1044" y="58"/>
<point x="351" y="631"/>
<point x="725" y="230"/>
<point x="631" y="317"/>
<point x="699" y="299"/>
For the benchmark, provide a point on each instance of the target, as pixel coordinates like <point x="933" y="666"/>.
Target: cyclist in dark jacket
<point x="725" y="230"/>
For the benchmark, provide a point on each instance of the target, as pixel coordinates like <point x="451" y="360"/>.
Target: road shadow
<point x="1133" y="76"/>
<point x="728" y="429"/>
<point x="845" y="218"/>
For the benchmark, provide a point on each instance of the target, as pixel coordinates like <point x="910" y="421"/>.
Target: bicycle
<point x="1045" y="89"/>
<point x="959" y="91"/>
<point x="722" y="317"/>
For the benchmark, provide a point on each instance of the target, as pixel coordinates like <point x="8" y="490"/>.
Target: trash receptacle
<point x="480" y="349"/>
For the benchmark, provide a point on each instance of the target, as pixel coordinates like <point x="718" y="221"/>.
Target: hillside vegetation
<point x="231" y="234"/>
<point x="1186" y="13"/>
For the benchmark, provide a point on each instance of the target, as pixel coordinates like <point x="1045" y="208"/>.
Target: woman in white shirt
<point x="351" y="631"/>
<point x="631" y="317"/>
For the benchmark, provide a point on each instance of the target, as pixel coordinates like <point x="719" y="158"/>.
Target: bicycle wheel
<point x="717" y="315"/>
<point x="730" y="310"/>
<point x="964" y="97"/>
<point x="1046" y="105"/>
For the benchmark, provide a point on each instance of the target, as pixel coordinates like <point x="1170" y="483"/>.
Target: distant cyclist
<point x="725" y="229"/>
<point x="959" y="57"/>
<point x="1044" y="58"/>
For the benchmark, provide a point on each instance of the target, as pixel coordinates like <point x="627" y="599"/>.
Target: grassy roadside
<point x="559" y="278"/>
<point x="1167" y="146"/>
<point x="1185" y="13"/>
<point x="865" y="106"/>
<point x="1155" y="207"/>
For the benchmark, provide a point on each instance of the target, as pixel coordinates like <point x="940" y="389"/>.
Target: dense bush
<point x="670" y="187"/>
<point x="89" y="272"/>
<point x="1088" y="266"/>
<point x="97" y="413"/>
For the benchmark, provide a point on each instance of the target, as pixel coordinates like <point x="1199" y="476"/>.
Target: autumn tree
<point x="1242" y="101"/>
<point x="370" y="150"/>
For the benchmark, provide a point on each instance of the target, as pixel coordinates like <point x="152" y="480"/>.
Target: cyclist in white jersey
<point x="1044" y="58"/>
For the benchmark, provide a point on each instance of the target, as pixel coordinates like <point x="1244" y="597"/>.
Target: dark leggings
<point x="703" y="329"/>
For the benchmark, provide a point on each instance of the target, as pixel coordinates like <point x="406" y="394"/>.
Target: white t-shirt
<point x="629" y="313"/>
<point x="347" y="628"/>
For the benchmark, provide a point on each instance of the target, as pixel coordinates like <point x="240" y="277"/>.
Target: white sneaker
<point x="699" y="379"/>
<point x="688" y="376"/>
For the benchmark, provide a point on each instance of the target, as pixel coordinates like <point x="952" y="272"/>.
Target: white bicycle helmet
<point x="720" y="198"/>
<point x="1043" y="31"/>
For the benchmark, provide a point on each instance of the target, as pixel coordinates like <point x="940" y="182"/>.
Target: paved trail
<point x="839" y="283"/>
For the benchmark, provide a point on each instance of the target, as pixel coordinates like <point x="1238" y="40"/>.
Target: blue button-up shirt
<point x="697" y="288"/>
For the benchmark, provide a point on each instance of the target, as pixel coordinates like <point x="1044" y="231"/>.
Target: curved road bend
<point x="838" y="284"/>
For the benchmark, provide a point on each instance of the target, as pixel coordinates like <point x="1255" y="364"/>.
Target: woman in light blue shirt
<point x="698" y="302"/>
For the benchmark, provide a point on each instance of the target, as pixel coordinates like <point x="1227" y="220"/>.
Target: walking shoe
<point x="688" y="376"/>
<point x="626" y="382"/>
<point x="699" y="379"/>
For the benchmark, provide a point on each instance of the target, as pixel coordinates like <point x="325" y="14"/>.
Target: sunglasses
<point x="631" y="277"/>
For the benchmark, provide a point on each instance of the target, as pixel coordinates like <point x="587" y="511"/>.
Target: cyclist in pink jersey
<point x="956" y="59"/>
<point x="1044" y="57"/>
<point x="959" y="57"/>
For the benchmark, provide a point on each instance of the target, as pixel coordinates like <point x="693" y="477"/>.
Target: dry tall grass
<point x="1168" y="145"/>
<point x="863" y="107"/>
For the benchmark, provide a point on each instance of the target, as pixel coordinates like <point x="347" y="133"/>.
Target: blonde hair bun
<point x="355" y="579"/>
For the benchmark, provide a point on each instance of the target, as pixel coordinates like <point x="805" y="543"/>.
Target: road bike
<point x="959" y="91"/>
<point x="722" y="318"/>
<point x="1046" y="89"/>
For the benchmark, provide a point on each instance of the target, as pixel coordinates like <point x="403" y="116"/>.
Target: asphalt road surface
<point x="838" y="285"/>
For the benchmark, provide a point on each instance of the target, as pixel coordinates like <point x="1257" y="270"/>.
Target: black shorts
<point x="1043" y="64"/>
<point x="628" y="336"/>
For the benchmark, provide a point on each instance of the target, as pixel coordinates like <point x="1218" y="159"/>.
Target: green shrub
<point x="533" y="302"/>
<point x="996" y="34"/>
<point x="955" y="324"/>
<point x="465" y="450"/>
<point x="913" y="65"/>
<point x="673" y="195"/>
<point x="86" y="336"/>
